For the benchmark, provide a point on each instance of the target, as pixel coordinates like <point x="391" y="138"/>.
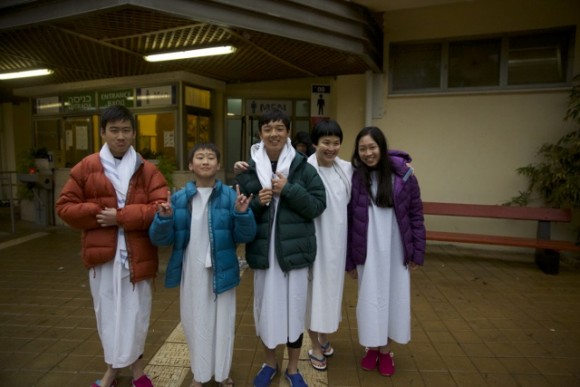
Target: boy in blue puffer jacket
<point x="214" y="218"/>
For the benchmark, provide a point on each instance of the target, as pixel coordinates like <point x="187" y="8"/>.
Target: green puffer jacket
<point x="302" y="199"/>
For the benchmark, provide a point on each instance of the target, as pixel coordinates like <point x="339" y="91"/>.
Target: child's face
<point x="204" y="164"/>
<point x="369" y="151"/>
<point x="327" y="149"/>
<point x="274" y="135"/>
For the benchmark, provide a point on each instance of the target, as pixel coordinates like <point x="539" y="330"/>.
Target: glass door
<point x="77" y="140"/>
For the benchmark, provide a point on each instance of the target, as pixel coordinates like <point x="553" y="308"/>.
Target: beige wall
<point x="466" y="147"/>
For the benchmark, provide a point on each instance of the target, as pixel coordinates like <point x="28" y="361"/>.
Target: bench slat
<point x="493" y="211"/>
<point x="501" y="240"/>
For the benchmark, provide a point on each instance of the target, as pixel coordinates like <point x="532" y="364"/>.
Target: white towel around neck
<point x="119" y="172"/>
<point x="264" y="165"/>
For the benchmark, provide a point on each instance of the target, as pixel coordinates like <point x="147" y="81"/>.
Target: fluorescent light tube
<point x="26" y="74"/>
<point x="191" y="53"/>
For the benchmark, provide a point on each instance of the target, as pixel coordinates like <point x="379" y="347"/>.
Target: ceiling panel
<point x="112" y="41"/>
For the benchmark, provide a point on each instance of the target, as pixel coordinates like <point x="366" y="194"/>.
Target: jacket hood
<point x="399" y="160"/>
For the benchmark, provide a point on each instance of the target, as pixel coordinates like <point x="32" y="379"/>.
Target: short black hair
<point x="273" y="115"/>
<point x="325" y="127"/>
<point x="303" y="138"/>
<point x="116" y="113"/>
<point x="205" y="145"/>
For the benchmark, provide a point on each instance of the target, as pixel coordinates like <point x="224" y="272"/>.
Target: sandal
<point x="143" y="381"/>
<point x="265" y="376"/>
<point x="296" y="380"/>
<point x="327" y="350"/>
<point x="97" y="383"/>
<point x="317" y="363"/>
<point x="227" y="382"/>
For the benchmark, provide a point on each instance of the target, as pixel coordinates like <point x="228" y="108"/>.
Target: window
<point x="156" y="135"/>
<point x="474" y="63"/>
<point x="416" y="66"/>
<point x="532" y="59"/>
<point x="538" y="59"/>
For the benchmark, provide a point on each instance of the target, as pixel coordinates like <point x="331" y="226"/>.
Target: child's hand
<point x="164" y="209"/>
<point x="107" y="217"/>
<point x="278" y="183"/>
<point x="240" y="166"/>
<point x="242" y="201"/>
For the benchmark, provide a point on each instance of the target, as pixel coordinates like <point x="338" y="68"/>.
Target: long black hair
<point x="384" y="168"/>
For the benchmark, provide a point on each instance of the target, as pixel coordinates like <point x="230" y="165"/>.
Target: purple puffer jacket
<point x="408" y="210"/>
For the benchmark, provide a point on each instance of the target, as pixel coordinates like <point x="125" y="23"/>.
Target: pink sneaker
<point x="143" y="381"/>
<point x="386" y="364"/>
<point x="369" y="361"/>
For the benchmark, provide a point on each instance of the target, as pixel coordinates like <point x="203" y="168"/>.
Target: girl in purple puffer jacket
<point x="386" y="237"/>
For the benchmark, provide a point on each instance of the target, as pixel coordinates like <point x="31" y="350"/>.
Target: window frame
<point x="503" y="82"/>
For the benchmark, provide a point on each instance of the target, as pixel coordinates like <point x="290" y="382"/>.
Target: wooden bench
<point x="547" y="250"/>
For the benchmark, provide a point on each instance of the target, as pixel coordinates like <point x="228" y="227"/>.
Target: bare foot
<point x="109" y="377"/>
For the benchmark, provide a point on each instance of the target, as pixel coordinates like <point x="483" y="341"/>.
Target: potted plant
<point x="556" y="177"/>
<point x="166" y="166"/>
<point x="163" y="163"/>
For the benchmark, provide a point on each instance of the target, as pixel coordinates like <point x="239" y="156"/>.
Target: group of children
<point x="304" y="220"/>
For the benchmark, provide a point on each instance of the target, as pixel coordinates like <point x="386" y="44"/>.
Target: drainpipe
<point x="369" y="98"/>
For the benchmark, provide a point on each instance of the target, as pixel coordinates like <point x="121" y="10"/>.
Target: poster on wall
<point x="168" y="139"/>
<point x="82" y="142"/>
<point x="320" y="103"/>
<point x="68" y="136"/>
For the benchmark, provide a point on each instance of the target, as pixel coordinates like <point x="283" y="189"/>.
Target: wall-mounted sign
<point x="117" y="97"/>
<point x="80" y="102"/>
<point x="320" y="101"/>
<point x="155" y="96"/>
<point x="47" y="105"/>
<point x="255" y="107"/>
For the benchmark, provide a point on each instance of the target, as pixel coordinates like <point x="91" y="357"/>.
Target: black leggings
<point x="297" y="343"/>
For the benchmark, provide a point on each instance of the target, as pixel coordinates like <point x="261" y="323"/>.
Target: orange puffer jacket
<point x="88" y="191"/>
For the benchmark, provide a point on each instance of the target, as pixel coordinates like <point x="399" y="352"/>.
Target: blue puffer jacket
<point x="226" y="228"/>
<point x="408" y="211"/>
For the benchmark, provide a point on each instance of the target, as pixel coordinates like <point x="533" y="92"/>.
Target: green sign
<point x="116" y="97"/>
<point x="79" y="102"/>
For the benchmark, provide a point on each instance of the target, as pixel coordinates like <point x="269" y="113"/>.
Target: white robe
<point x="208" y="320"/>
<point x="279" y="300"/>
<point x="384" y="296"/>
<point x="122" y="312"/>
<point x="122" y="309"/>
<point x="324" y="311"/>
